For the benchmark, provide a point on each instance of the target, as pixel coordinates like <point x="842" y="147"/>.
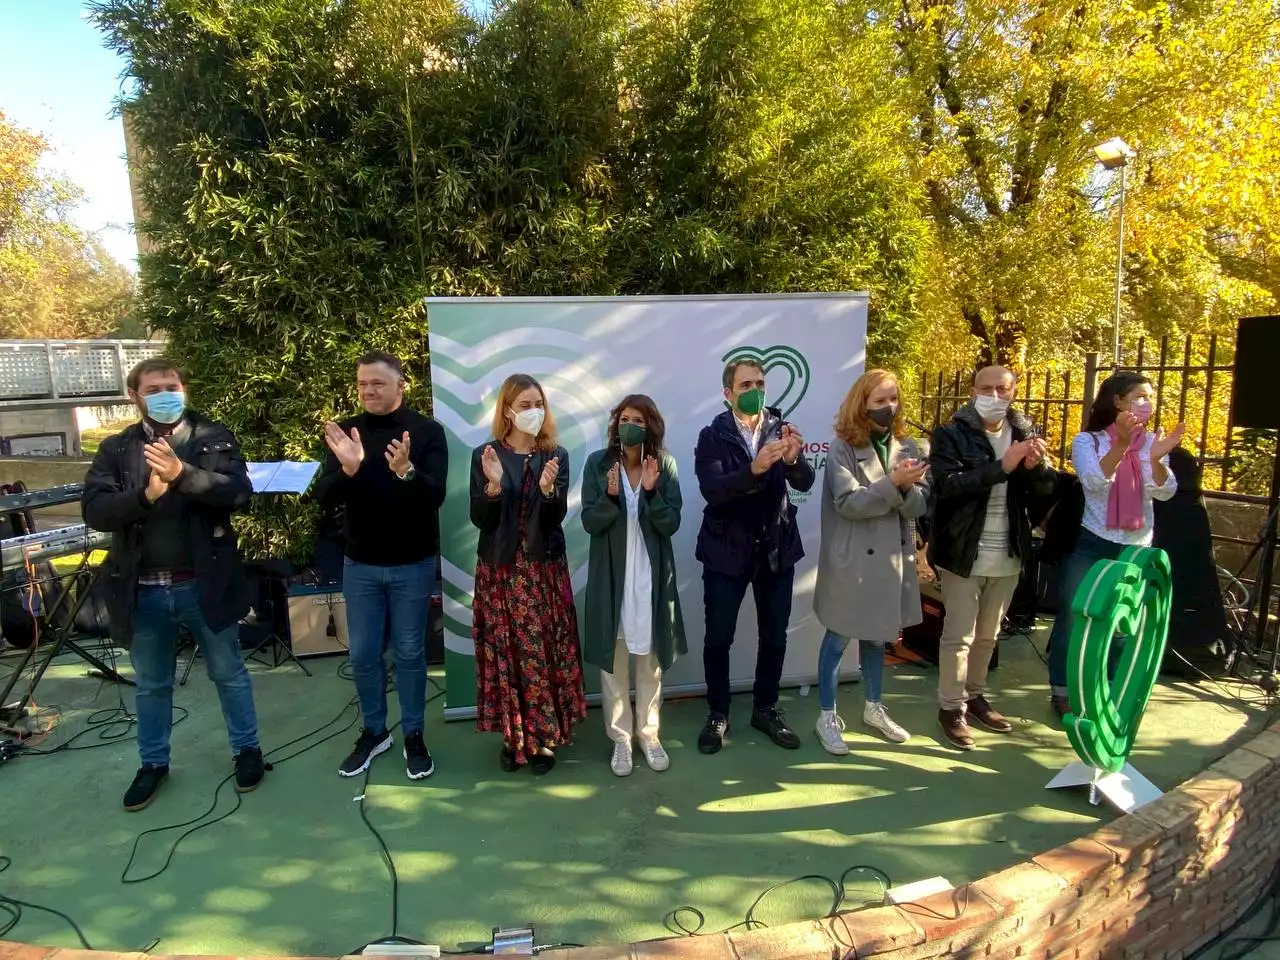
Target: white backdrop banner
<point x="589" y="352"/>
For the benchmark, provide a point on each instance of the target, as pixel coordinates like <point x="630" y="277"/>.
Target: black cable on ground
<point x="11" y="911"/>
<point x="839" y="899"/>
<point x="199" y="823"/>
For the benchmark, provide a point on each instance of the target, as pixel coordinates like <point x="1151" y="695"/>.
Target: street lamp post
<point x="1113" y="154"/>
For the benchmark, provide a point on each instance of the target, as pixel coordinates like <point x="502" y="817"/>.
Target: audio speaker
<point x="1253" y="396"/>
<point x="317" y="621"/>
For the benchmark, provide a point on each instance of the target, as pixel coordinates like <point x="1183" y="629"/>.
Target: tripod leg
<point x="109" y="673"/>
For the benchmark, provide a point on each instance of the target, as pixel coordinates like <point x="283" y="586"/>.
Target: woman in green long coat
<point x="631" y="508"/>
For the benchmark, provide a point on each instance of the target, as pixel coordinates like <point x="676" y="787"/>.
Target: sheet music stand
<point x="274" y="478"/>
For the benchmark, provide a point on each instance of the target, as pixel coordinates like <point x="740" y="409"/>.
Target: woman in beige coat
<point x="874" y="486"/>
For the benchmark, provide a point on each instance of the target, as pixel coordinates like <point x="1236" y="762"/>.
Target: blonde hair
<point x="516" y="384"/>
<point x="853" y="426"/>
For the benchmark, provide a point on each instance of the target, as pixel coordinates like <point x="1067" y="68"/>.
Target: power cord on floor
<point x="199" y="823"/>
<point x="839" y="899"/>
<point x="11" y="911"/>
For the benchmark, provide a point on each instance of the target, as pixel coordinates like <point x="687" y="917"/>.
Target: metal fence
<point x="42" y="373"/>
<point x="1193" y="378"/>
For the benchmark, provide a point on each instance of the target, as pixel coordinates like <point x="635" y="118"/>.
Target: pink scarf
<point x="1124" y="502"/>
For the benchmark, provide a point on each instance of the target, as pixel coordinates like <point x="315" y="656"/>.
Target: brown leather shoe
<point x="955" y="729"/>
<point x="1061" y="705"/>
<point x="987" y="715"/>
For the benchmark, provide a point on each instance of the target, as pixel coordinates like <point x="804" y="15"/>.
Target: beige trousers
<point x="615" y="692"/>
<point x="975" y="609"/>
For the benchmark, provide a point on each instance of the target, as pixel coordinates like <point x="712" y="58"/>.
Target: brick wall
<point x="1152" y="885"/>
<point x="1155" y="884"/>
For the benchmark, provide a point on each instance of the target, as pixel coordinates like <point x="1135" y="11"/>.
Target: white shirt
<point x="1087" y="449"/>
<point x="993" y="558"/>
<point x="749" y="436"/>
<point x="635" y="626"/>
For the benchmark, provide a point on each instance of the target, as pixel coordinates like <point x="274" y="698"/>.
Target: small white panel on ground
<point x="911" y="892"/>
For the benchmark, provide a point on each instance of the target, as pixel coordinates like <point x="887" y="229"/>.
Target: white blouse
<point x="1087" y="449"/>
<point x="635" y="626"/>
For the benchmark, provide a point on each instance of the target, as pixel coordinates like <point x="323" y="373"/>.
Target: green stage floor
<point x="587" y="857"/>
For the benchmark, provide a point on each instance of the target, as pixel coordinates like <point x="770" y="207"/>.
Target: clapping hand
<point x="1163" y="444"/>
<point x="1016" y="454"/>
<point x="491" y="466"/>
<point x="550" y="471"/>
<point x="614" y="487"/>
<point x="794" y="441"/>
<point x="649" y="473"/>
<point x="156" y="488"/>
<point x="908" y="472"/>
<point x="1035" y="453"/>
<point x="769" y="454"/>
<point x="162" y="461"/>
<point x="348" y="449"/>
<point x="398" y="455"/>
<point x="1126" y="426"/>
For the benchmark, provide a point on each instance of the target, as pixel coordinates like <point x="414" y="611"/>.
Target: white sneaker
<point x="829" y="727"/>
<point x="877" y="717"/>
<point x="621" y="762"/>
<point x="654" y="755"/>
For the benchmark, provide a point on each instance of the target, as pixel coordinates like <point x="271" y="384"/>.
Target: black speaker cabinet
<point x="1254" y="402"/>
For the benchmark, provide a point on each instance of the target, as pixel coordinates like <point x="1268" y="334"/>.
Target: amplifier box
<point x="317" y="621"/>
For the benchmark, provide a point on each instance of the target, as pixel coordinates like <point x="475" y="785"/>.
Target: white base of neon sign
<point x="1126" y="790"/>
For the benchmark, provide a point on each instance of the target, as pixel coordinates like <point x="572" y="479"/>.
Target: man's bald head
<point x="995" y="381"/>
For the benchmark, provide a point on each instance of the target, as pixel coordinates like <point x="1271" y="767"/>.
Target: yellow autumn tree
<point x="1008" y="100"/>
<point x="54" y="280"/>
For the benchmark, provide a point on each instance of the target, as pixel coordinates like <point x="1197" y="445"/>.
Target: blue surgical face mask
<point x="166" y="407"/>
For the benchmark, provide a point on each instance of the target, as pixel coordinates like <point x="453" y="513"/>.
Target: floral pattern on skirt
<point x="528" y="659"/>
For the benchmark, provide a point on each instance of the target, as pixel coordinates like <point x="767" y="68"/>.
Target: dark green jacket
<point x="605" y="519"/>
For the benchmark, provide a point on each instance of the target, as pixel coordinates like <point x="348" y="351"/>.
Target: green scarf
<point x="881" y="443"/>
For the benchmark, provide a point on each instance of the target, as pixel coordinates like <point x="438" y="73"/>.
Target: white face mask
<point x="990" y="409"/>
<point x="529" y="421"/>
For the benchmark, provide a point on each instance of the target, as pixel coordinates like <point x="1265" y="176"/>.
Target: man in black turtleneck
<point x="386" y="469"/>
<point x="165" y="489"/>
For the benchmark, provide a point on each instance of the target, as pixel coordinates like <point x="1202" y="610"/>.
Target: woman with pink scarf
<point x="1123" y="467"/>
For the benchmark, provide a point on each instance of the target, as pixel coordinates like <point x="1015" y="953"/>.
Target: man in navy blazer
<point x="744" y="461"/>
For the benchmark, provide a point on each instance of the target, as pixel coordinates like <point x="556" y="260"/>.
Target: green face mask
<point x="631" y="434"/>
<point x="751" y="402"/>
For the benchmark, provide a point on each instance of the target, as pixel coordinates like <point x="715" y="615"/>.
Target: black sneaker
<point x="417" y="759"/>
<point x="250" y="769"/>
<point x="143" y="789"/>
<point x="368" y="746"/>
<point x="769" y="722"/>
<point x="711" y="739"/>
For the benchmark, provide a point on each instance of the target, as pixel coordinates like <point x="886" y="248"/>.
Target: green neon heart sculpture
<point x="1127" y="600"/>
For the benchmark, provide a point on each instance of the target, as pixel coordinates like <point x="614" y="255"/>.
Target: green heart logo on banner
<point x="1127" y="600"/>
<point x="792" y="369"/>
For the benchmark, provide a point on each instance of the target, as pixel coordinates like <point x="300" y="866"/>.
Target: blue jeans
<point x="389" y="605"/>
<point x="1090" y="548"/>
<point x="829" y="668"/>
<point x="159" y="613"/>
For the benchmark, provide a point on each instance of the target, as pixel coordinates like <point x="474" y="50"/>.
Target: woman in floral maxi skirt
<point x="528" y="660"/>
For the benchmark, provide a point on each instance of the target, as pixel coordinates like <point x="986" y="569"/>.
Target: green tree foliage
<point x="312" y="168"/>
<point x="54" y="280"/>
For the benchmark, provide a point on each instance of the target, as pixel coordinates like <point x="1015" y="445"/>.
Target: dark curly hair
<point x="655" y="426"/>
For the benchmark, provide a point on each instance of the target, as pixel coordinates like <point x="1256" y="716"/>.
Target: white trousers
<point x="615" y="692"/>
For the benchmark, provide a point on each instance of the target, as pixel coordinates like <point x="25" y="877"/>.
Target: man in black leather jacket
<point x="165" y="489"/>
<point x="988" y="473"/>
